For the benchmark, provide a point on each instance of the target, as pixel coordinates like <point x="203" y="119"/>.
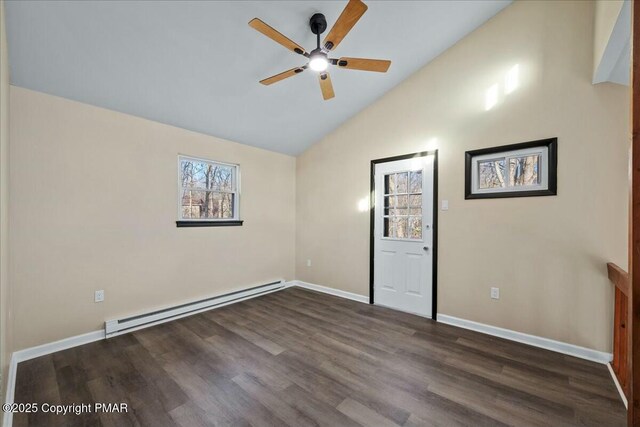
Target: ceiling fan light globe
<point x="318" y="63"/>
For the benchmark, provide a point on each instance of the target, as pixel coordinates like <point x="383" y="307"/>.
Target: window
<point x="527" y="169"/>
<point x="209" y="193"/>
<point x="403" y="205"/>
<point x="511" y="171"/>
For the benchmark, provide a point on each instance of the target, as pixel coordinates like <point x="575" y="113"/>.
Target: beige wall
<point x="93" y="205"/>
<point x="547" y="254"/>
<point x="5" y="320"/>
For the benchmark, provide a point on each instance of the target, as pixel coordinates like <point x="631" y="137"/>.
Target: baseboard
<point x="330" y="291"/>
<point x="52" y="347"/>
<point x="620" y="391"/>
<point x="546" y="343"/>
<point x="7" y="419"/>
<point x="41" y="350"/>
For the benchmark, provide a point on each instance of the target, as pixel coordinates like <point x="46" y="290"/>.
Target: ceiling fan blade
<point x="347" y="19"/>
<point x="276" y="36"/>
<point x="326" y="86"/>
<point x="378" y="65"/>
<point x="282" y="76"/>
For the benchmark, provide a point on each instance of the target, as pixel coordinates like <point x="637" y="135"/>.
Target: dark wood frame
<point x="633" y="311"/>
<point x="620" y="363"/>
<point x="550" y="143"/>
<point x="372" y="217"/>
<point x="230" y="223"/>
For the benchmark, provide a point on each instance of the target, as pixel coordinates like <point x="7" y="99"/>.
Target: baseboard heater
<point x="129" y="324"/>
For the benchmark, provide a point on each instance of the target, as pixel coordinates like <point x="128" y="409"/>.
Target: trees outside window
<point x="208" y="190"/>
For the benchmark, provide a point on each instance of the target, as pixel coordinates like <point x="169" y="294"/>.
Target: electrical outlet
<point x="495" y="293"/>
<point x="308" y="263"/>
<point x="99" y="296"/>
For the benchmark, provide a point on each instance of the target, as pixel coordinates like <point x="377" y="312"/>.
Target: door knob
<point x="426" y="248"/>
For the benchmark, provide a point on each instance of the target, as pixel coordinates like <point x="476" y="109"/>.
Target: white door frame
<point x="372" y="222"/>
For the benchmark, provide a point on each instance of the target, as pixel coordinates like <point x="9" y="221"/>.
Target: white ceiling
<point x="196" y="65"/>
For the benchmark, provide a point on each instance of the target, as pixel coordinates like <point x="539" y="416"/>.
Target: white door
<point x="403" y="235"/>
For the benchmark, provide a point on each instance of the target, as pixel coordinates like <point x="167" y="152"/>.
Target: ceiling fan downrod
<point x="318" y="24"/>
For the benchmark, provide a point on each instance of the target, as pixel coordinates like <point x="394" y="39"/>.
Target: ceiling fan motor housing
<point x="318" y="23"/>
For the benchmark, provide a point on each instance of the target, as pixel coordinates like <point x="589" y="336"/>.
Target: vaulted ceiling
<point x="196" y="65"/>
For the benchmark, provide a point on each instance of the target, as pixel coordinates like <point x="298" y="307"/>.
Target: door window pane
<point x="401" y="227"/>
<point x="389" y="201"/>
<point x="390" y="227"/>
<point x="415" y="227"/>
<point x="389" y="183"/>
<point x="401" y="183"/>
<point x="415" y="182"/>
<point x="398" y="212"/>
<point x="403" y="205"/>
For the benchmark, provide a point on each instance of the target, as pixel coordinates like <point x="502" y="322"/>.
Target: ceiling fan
<point x="318" y="57"/>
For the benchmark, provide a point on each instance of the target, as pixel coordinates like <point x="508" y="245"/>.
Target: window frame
<point x="543" y="152"/>
<point x="546" y="148"/>
<point x="408" y="216"/>
<point x="210" y="222"/>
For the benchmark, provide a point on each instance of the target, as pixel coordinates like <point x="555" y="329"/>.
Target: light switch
<point x="445" y="205"/>
<point x="99" y="296"/>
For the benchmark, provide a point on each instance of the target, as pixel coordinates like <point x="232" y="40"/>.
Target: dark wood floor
<point x="301" y="358"/>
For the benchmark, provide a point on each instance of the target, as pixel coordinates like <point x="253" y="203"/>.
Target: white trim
<point x="52" y="347"/>
<point x="41" y="350"/>
<point x="330" y="291"/>
<point x="546" y="343"/>
<point x="7" y="420"/>
<point x="615" y="380"/>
